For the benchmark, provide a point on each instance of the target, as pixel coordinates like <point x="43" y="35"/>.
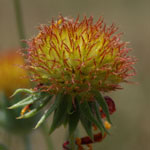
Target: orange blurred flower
<point x="11" y="75"/>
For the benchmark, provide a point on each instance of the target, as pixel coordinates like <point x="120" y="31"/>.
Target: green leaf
<point x="34" y="111"/>
<point x="60" y="113"/>
<point x="65" y="120"/>
<point x="29" y="91"/>
<point x="87" y="112"/>
<point x="50" y="110"/>
<point x="97" y="112"/>
<point x="101" y="101"/>
<point x="28" y="100"/>
<point x="73" y="121"/>
<point x="87" y="125"/>
<point x="69" y="107"/>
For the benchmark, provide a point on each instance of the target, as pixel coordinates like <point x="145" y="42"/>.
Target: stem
<point x="48" y="140"/>
<point x="72" y="141"/>
<point x="19" y="21"/>
<point x="27" y="142"/>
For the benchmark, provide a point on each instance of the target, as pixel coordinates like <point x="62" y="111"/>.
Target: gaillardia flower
<point x="74" y="62"/>
<point x="78" y="57"/>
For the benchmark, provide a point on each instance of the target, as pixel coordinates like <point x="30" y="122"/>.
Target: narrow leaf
<point x="36" y="110"/>
<point x="28" y="100"/>
<point x="101" y="101"/>
<point x="65" y="120"/>
<point x="96" y="108"/>
<point x="29" y="91"/>
<point x="69" y="108"/>
<point x="60" y="113"/>
<point x="73" y="121"/>
<point x="87" y="125"/>
<point x="86" y="111"/>
<point x="49" y="111"/>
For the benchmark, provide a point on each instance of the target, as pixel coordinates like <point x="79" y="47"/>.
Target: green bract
<point x="67" y="110"/>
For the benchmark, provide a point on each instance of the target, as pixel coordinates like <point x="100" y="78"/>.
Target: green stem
<point x="72" y="141"/>
<point x="48" y="140"/>
<point x="19" y="21"/>
<point x="27" y="142"/>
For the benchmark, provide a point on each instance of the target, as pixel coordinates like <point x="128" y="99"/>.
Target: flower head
<point x="74" y="62"/>
<point x="10" y="74"/>
<point x="79" y="57"/>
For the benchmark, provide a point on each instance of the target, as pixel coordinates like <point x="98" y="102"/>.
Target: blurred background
<point x="131" y="122"/>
